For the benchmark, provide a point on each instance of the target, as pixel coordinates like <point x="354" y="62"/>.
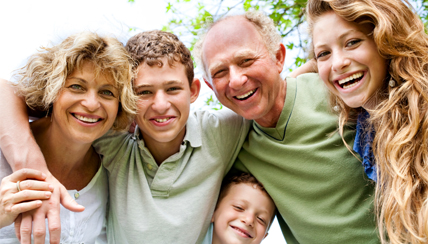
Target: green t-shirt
<point x="318" y="186"/>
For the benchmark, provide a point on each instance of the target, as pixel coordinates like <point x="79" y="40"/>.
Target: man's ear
<point x="195" y="87"/>
<point x="208" y="84"/>
<point x="280" y="57"/>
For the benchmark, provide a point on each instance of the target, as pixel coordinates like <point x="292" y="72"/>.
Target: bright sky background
<point x="26" y="25"/>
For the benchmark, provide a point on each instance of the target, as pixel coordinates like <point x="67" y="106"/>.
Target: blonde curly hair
<point x="263" y="24"/>
<point x="400" y="118"/>
<point x="45" y="72"/>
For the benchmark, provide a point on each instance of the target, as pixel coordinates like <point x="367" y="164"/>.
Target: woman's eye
<point x="76" y="87"/>
<point x="107" y="93"/>
<point x="353" y="42"/>
<point x="322" y="54"/>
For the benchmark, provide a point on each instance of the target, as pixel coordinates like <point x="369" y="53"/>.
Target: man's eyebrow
<point x="169" y="82"/>
<point x="237" y="55"/>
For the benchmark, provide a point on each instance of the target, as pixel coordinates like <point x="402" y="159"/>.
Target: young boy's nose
<point x="161" y="103"/>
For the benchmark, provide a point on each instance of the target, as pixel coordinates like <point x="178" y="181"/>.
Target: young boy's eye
<point x="239" y="208"/>
<point x="173" y="89"/>
<point x="144" y="92"/>
<point x="261" y="220"/>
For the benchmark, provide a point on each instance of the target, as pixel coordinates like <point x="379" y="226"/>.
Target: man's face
<point x="164" y="101"/>
<point x="240" y="69"/>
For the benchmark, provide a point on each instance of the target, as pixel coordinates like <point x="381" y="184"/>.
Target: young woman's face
<point x="348" y="59"/>
<point x="86" y="107"/>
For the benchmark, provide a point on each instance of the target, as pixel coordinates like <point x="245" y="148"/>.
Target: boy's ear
<point x="194" y="89"/>
<point x="266" y="235"/>
<point x="208" y="84"/>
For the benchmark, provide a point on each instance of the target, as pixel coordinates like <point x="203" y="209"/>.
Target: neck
<point x="270" y="119"/>
<point x="65" y="159"/>
<point x="163" y="150"/>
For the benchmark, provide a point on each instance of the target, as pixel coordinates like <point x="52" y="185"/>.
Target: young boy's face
<point x="243" y="215"/>
<point x="164" y="101"/>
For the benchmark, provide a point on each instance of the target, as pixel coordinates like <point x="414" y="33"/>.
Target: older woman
<point x="84" y="85"/>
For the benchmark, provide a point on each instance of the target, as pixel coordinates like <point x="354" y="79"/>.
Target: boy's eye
<point x="261" y="220"/>
<point x="239" y="208"/>
<point x="173" y="89"/>
<point x="145" y="92"/>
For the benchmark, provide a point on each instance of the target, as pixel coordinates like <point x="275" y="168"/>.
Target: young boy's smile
<point x="243" y="215"/>
<point x="164" y="101"/>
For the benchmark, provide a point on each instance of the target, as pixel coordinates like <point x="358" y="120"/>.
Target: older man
<point x="318" y="186"/>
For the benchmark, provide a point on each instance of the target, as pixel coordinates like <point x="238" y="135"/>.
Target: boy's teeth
<point x="246" y="94"/>
<point x="90" y="120"/>
<point x="162" y="120"/>
<point x="352" y="77"/>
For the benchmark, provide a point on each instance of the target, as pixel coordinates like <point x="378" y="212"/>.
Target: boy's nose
<point x="161" y="103"/>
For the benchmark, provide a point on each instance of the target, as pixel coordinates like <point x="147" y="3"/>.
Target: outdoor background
<point x="27" y="25"/>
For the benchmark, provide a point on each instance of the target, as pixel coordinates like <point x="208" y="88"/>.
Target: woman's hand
<point x="20" y="192"/>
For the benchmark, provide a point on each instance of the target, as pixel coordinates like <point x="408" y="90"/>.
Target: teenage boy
<point x="243" y="214"/>
<point x="165" y="178"/>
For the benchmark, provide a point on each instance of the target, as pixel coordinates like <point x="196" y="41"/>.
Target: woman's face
<point x="87" y="105"/>
<point x="348" y="59"/>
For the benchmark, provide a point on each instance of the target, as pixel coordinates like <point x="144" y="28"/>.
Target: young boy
<point x="243" y="214"/>
<point x="164" y="179"/>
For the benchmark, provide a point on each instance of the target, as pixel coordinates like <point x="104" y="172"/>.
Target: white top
<point x="76" y="228"/>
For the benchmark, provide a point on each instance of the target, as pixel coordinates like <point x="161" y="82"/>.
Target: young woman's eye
<point x="322" y="54"/>
<point x="353" y="43"/>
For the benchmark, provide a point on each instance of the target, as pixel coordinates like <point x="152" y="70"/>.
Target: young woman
<point x="375" y="64"/>
<point x="84" y="85"/>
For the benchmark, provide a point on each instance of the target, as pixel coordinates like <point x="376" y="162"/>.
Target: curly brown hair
<point x="45" y="72"/>
<point x="151" y="46"/>
<point x="400" y="118"/>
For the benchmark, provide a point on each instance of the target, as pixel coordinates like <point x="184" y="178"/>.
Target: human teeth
<point x="350" y="85"/>
<point x="352" y="77"/>
<point x="246" y="94"/>
<point x="162" y="120"/>
<point x="90" y="120"/>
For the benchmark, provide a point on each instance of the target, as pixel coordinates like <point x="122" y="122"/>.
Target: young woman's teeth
<point x="84" y="119"/>
<point x="162" y="120"/>
<point x="352" y="80"/>
<point x="246" y="95"/>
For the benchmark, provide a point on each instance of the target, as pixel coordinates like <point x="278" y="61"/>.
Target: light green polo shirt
<point x="173" y="202"/>
<point x="318" y="186"/>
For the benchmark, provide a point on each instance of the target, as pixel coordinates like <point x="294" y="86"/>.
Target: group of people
<point x="338" y="155"/>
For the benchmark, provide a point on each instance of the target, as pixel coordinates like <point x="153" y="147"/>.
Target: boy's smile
<point x="164" y="102"/>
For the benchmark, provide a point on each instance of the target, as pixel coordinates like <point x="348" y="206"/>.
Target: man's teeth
<point x="90" y="120"/>
<point x="352" y="77"/>
<point x="246" y="94"/>
<point x="162" y="120"/>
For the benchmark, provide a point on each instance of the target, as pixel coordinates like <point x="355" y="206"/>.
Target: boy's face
<point x="243" y="215"/>
<point x="164" y="101"/>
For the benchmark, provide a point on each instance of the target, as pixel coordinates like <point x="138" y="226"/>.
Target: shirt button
<point x="149" y="166"/>
<point x="76" y="195"/>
